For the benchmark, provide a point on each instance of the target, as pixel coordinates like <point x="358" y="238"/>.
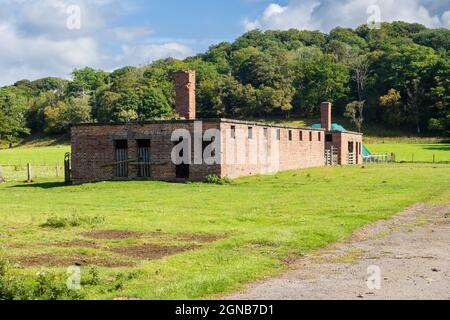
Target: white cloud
<point x="446" y="19"/>
<point x="326" y="14"/>
<point x="35" y="41"/>
<point x="25" y="57"/>
<point x="127" y="34"/>
<point x="142" y="54"/>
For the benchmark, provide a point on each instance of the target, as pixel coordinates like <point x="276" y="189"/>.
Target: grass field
<point x="413" y="152"/>
<point x="157" y="240"/>
<point x="50" y="155"/>
<point x="191" y="241"/>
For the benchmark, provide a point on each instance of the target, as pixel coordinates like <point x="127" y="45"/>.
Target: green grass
<point x="48" y="155"/>
<point x="263" y="220"/>
<point x="414" y="152"/>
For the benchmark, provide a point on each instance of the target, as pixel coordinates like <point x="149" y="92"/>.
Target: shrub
<point x="93" y="277"/>
<point x="214" y="179"/>
<point x="53" y="287"/>
<point x="72" y="221"/>
<point x="44" y="286"/>
<point x="121" y="279"/>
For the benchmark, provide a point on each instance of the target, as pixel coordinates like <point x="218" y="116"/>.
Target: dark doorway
<point x="144" y="159"/>
<point x="351" y="147"/>
<point x="121" y="158"/>
<point x="182" y="171"/>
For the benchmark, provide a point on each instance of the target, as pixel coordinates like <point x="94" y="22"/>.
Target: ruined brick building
<point x="145" y="150"/>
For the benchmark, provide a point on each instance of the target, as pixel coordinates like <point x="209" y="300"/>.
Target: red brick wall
<point x="341" y="140"/>
<point x="325" y="110"/>
<point x="93" y="150"/>
<point x="185" y="104"/>
<point x="292" y="155"/>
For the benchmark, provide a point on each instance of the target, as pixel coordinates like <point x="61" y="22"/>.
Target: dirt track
<point x="411" y="250"/>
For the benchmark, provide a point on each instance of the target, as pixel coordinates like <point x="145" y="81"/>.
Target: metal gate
<point x="67" y="168"/>
<point x="351" y="158"/>
<point x="144" y="167"/>
<point x="332" y="156"/>
<point x="121" y="159"/>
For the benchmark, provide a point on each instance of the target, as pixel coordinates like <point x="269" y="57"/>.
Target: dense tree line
<point x="398" y="75"/>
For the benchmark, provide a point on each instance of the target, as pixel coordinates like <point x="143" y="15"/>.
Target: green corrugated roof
<point x="334" y="127"/>
<point x="338" y="127"/>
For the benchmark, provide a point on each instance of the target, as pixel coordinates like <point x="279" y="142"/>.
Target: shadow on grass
<point x="43" y="185"/>
<point x="438" y="147"/>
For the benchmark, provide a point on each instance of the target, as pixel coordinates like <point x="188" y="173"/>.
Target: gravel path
<point x="407" y="257"/>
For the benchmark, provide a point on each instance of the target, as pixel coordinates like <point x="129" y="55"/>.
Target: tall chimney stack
<point x="325" y="110"/>
<point x="185" y="94"/>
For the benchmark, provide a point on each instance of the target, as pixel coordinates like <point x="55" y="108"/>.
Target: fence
<point x="380" y="158"/>
<point x="20" y="172"/>
<point x="402" y="158"/>
<point x="331" y="156"/>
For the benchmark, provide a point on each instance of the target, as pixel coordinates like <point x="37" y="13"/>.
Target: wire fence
<point x="412" y="158"/>
<point x="20" y="172"/>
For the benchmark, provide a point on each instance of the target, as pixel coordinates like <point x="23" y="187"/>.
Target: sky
<point x="40" y="38"/>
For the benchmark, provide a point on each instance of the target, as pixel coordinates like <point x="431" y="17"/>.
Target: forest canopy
<point x="398" y="75"/>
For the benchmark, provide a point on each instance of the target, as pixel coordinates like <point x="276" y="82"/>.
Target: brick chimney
<point x="185" y="94"/>
<point x="325" y="110"/>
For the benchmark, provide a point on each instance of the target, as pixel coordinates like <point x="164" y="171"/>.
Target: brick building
<point x="222" y="147"/>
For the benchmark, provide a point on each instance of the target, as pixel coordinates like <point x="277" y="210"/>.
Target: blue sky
<point x="35" y="40"/>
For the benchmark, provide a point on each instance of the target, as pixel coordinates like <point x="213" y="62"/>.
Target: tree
<point x="319" y="79"/>
<point x="415" y="93"/>
<point x="436" y="38"/>
<point x="12" y="114"/>
<point x="355" y="111"/>
<point x="409" y="68"/>
<point x="106" y="104"/>
<point x="359" y="70"/>
<point x="86" y="81"/>
<point x="154" y="105"/>
<point x="392" y="103"/>
<point x="60" y="115"/>
<point x="398" y="74"/>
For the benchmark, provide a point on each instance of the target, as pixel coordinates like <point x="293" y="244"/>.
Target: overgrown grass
<point x="74" y="220"/>
<point x="262" y="220"/>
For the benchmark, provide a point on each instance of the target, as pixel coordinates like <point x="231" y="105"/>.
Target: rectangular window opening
<point x="206" y="143"/>
<point x="250" y="133"/>
<point x="290" y="135"/>
<point x="233" y="132"/>
<point x="144" y="158"/>
<point x="310" y="136"/>
<point x="121" y="156"/>
<point x="278" y="134"/>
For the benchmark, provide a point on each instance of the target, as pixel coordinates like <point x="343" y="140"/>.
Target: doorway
<point x="144" y="159"/>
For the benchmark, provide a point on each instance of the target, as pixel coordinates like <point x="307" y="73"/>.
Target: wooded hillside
<point x="398" y="75"/>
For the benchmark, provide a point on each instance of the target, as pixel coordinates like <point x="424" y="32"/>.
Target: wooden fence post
<point x="2" y="179"/>
<point x="29" y="173"/>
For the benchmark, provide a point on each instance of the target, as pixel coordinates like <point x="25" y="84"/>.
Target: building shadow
<point x="43" y="185"/>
